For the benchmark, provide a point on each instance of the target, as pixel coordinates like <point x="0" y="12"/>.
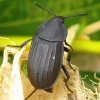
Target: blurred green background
<point x="22" y="17"/>
<point x="19" y="20"/>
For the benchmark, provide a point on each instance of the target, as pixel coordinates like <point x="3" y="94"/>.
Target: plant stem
<point x="86" y="46"/>
<point x="78" y="45"/>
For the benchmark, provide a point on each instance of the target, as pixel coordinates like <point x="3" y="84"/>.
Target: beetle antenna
<point x="43" y="8"/>
<point x="76" y="15"/>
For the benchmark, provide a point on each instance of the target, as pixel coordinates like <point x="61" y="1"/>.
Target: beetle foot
<point x="66" y="80"/>
<point x="69" y="88"/>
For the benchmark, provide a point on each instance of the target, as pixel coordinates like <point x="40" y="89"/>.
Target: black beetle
<point x="46" y="52"/>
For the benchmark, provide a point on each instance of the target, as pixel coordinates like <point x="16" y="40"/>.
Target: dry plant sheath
<point x="10" y="76"/>
<point x="16" y="83"/>
<point x="9" y="87"/>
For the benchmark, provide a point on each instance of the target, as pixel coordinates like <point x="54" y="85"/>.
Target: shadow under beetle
<point x="46" y="52"/>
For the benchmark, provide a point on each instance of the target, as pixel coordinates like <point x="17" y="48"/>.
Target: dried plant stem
<point x="92" y="28"/>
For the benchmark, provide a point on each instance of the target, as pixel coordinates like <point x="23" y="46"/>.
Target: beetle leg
<point x="68" y="76"/>
<point x="66" y="72"/>
<point x="69" y="57"/>
<point x="22" y="45"/>
<point x="68" y="45"/>
<point x="30" y="94"/>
